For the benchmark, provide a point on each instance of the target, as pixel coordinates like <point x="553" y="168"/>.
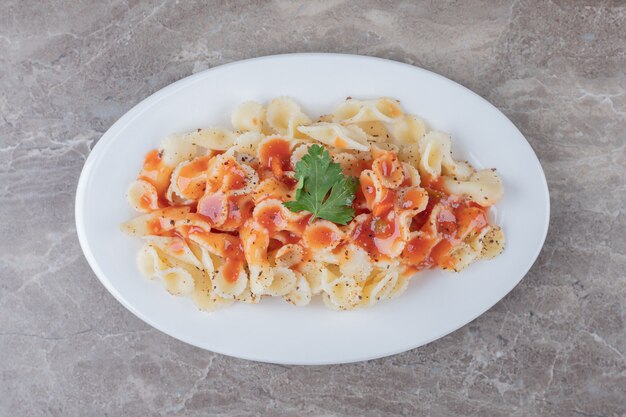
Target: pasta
<point x="349" y="207"/>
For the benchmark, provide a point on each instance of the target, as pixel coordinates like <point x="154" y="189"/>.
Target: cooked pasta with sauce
<point x="348" y="207"/>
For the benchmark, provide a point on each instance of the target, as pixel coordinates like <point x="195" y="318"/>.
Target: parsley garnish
<point x="317" y="175"/>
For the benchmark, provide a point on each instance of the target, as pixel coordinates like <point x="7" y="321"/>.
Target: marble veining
<point x="553" y="347"/>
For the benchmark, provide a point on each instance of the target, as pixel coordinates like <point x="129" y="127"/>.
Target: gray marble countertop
<point x="553" y="347"/>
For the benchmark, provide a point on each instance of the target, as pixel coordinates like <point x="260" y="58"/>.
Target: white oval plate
<point x="435" y="304"/>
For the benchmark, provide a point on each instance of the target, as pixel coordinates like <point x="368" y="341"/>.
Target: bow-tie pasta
<point x="344" y="210"/>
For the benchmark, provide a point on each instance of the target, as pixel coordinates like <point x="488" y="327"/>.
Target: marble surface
<point x="553" y="347"/>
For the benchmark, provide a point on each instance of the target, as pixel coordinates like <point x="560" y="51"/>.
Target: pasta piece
<point x="248" y="116"/>
<point x="316" y="273"/>
<point x="227" y="175"/>
<point x="407" y="130"/>
<point x="204" y="256"/>
<point x="410" y="154"/>
<point x="272" y="188"/>
<point x="220" y="244"/>
<point x="337" y="136"/>
<point x="492" y="242"/>
<point x="155" y="223"/>
<point x="436" y="157"/>
<point x="344" y="293"/>
<point x="177" y="280"/>
<point x="389" y="170"/>
<point x="276" y="281"/>
<point x="274" y="217"/>
<point x="434" y="147"/>
<point x="225" y="212"/>
<point x="251" y="180"/>
<point x="289" y="255"/>
<point x="379" y="286"/>
<point x="205" y="298"/>
<point x="227" y="287"/>
<point x="231" y="278"/>
<point x="322" y="236"/>
<point x="301" y="294"/>
<point x="329" y="303"/>
<point x="175" y="199"/>
<point x="283" y="281"/>
<point x="330" y="258"/>
<point x="240" y="157"/>
<point x="142" y="196"/>
<point x="156" y="171"/>
<point x="402" y="284"/>
<point x="484" y="187"/>
<point x="354" y="262"/>
<point x="376" y="130"/>
<point x="350" y="164"/>
<point x="274" y="153"/>
<point x="174" y="150"/>
<point x="372" y="189"/>
<point x="188" y="180"/>
<point x="261" y="276"/>
<point x="353" y="111"/>
<point x="380" y="148"/>
<point x="214" y="207"/>
<point x="255" y="239"/>
<point x="463" y="256"/>
<point x="284" y="116"/>
<point x="298" y="152"/>
<point x="414" y="199"/>
<point x="248" y="143"/>
<point x="461" y="170"/>
<point x="419" y="244"/>
<point x="380" y="236"/>
<point x="149" y="262"/>
<point x="411" y="176"/>
<point x="211" y="138"/>
<point x="248" y="297"/>
<point x="389" y="243"/>
<point x="193" y="220"/>
<point x="174" y="247"/>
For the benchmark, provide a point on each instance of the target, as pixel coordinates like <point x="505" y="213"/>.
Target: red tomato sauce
<point x="234" y="257"/>
<point x="275" y="155"/>
<point x="156" y="172"/>
<point x="191" y="180"/>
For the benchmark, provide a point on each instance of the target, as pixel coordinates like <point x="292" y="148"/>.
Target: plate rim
<point x="149" y="101"/>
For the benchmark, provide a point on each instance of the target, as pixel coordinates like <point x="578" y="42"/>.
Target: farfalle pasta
<point x="232" y="215"/>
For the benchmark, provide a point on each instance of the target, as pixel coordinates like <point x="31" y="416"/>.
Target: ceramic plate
<point x="435" y="304"/>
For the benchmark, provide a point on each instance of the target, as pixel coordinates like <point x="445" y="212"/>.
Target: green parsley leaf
<point x="317" y="175"/>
